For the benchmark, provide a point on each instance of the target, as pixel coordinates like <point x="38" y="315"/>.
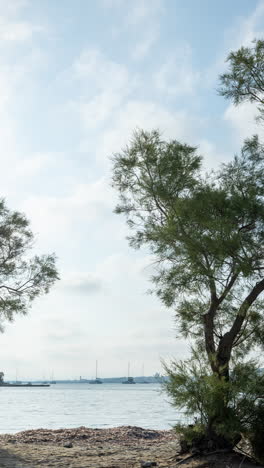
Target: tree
<point x="22" y="278"/>
<point x="244" y="81"/>
<point x="206" y="235"/>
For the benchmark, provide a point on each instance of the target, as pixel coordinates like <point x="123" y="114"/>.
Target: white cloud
<point x="104" y="83"/>
<point x="13" y="29"/>
<point x="212" y="155"/>
<point x="98" y="109"/>
<point x="146" y="115"/>
<point x="54" y="214"/>
<point x="12" y="7"/>
<point x="242" y="33"/>
<point x="80" y="283"/>
<point x="248" y="28"/>
<point x="17" y="164"/>
<point x="242" y="120"/>
<point x="113" y="3"/>
<point x="141" y="17"/>
<point x="141" y="11"/>
<point x="142" y="48"/>
<point x="17" y="31"/>
<point x="177" y="76"/>
<point x="30" y="166"/>
<point x="94" y="66"/>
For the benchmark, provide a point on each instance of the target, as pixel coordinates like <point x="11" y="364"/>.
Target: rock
<point x="68" y="445"/>
<point x="148" y="464"/>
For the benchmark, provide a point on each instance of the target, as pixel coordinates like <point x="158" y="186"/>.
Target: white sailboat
<point x="129" y="380"/>
<point x="96" y="380"/>
<point x="144" y="381"/>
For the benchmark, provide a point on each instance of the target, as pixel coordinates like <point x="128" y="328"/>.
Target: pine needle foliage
<point x="205" y="234"/>
<point x="22" y="277"/>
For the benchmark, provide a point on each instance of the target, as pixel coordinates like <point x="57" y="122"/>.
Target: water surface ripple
<point x="95" y="406"/>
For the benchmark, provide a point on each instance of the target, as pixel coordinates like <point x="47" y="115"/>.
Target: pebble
<point x="148" y="464"/>
<point x="68" y="445"/>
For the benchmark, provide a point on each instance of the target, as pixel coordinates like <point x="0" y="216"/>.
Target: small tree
<point x="22" y="278"/>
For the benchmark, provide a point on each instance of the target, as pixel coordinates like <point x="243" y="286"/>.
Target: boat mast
<point x="128" y="370"/>
<point x="96" y="365"/>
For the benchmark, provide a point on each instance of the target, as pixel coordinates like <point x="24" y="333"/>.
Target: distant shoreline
<point x="23" y="385"/>
<point x="110" y="380"/>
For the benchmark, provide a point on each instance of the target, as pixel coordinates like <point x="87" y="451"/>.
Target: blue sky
<point x="76" y="78"/>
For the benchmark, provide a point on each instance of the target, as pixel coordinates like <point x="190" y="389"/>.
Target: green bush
<point x="222" y="410"/>
<point x="256" y="435"/>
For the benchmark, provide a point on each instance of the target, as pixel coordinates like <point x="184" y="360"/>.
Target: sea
<point x="82" y="404"/>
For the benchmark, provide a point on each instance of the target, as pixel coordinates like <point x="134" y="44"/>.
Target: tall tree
<point x="22" y="277"/>
<point x="206" y="235"/>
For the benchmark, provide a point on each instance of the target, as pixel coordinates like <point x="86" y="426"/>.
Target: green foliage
<point x="226" y="408"/>
<point x="256" y="431"/>
<point x="244" y="80"/>
<point x="205" y="232"/>
<point x="22" y="278"/>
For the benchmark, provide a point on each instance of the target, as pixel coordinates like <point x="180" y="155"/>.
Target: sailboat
<point x="129" y="380"/>
<point x="96" y="380"/>
<point x="144" y="381"/>
<point x="52" y="381"/>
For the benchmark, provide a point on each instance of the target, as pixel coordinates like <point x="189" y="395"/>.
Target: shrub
<point x="222" y="410"/>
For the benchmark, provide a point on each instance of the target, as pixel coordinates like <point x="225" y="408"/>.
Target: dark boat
<point x="96" y="380"/>
<point x="129" y="380"/>
<point x="17" y="383"/>
<point x="21" y="385"/>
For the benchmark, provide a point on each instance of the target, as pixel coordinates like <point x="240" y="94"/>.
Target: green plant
<point x="200" y="394"/>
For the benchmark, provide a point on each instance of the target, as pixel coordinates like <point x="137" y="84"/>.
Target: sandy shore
<point x="82" y="447"/>
<point x="123" y="447"/>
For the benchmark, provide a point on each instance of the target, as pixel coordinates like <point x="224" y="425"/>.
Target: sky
<point x="76" y="78"/>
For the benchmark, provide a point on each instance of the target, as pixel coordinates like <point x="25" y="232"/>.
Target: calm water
<point x="74" y="405"/>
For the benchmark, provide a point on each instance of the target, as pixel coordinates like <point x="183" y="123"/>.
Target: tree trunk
<point x="219" y="361"/>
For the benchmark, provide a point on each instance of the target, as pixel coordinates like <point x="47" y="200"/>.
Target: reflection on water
<point x="73" y="405"/>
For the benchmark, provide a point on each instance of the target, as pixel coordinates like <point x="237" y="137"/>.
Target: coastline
<point x="120" y="447"/>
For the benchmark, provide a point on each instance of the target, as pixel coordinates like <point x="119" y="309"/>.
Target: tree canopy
<point x="244" y="80"/>
<point x="205" y="233"/>
<point x="22" y="277"/>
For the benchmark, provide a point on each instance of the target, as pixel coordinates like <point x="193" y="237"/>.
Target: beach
<point x="82" y="447"/>
<point x="122" y="447"/>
